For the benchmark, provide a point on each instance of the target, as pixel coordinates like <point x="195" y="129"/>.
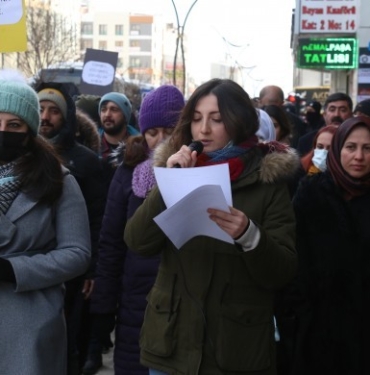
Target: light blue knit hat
<point x="19" y="99"/>
<point x="121" y="100"/>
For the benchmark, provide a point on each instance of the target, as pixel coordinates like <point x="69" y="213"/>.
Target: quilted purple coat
<point x="123" y="278"/>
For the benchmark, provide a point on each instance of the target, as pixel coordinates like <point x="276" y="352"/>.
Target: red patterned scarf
<point x="237" y="163"/>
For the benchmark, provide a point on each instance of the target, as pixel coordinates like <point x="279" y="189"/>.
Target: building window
<point x="141" y="45"/>
<point x="86" y="43"/>
<point x="103" y="29"/>
<point x="118" y="44"/>
<point x="135" y="62"/>
<point x="119" y="29"/>
<point x="87" y="28"/>
<point x="141" y="29"/>
<point x="119" y="63"/>
<point x="135" y="29"/>
<point x="103" y="45"/>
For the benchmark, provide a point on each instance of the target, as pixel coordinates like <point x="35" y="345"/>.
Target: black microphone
<point x="194" y="146"/>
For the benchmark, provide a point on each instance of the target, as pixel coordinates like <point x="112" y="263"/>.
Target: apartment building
<point x="137" y="38"/>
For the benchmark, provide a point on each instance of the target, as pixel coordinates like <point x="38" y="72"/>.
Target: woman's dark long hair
<point x="280" y="115"/>
<point x="40" y="171"/>
<point x="236" y="109"/>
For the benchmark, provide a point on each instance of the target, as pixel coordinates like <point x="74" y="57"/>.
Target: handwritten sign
<point x="98" y="72"/>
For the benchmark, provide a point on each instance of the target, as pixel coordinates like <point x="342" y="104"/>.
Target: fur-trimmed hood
<point x="279" y="165"/>
<point x="275" y="166"/>
<point x="87" y="131"/>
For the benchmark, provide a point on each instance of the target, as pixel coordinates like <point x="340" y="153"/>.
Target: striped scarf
<point x="9" y="187"/>
<point x="237" y="156"/>
<point x="230" y="154"/>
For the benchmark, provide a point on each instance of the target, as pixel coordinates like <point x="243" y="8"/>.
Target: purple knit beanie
<point x="161" y="108"/>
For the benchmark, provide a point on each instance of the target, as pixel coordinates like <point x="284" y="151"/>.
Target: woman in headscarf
<point x="332" y="300"/>
<point x="266" y="129"/>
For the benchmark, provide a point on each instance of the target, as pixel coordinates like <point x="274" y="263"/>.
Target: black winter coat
<point x="84" y="164"/>
<point x="332" y="299"/>
<point x="123" y="278"/>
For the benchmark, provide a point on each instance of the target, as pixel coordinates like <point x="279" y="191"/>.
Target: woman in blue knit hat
<point x="124" y="278"/>
<point x="44" y="238"/>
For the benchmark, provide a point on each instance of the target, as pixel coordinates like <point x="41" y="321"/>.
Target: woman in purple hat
<point x="123" y="278"/>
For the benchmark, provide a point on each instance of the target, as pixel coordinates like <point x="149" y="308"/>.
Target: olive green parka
<point x="210" y="310"/>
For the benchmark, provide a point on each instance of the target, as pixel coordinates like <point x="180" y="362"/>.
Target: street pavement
<point x="107" y="368"/>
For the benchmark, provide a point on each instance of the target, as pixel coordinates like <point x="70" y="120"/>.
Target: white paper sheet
<point x="188" y="193"/>
<point x="176" y="183"/>
<point x="189" y="218"/>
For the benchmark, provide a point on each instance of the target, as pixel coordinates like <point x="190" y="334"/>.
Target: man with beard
<point x="58" y="126"/>
<point x="337" y="108"/>
<point x="115" y="112"/>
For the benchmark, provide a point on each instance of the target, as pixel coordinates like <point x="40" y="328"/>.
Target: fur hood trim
<point x="87" y="131"/>
<point x="274" y="167"/>
<point x="161" y="153"/>
<point x="279" y="165"/>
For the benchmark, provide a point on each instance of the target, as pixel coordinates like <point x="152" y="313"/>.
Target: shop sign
<point x="328" y="16"/>
<point x="327" y="53"/>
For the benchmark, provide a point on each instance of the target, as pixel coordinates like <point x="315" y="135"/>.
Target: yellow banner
<point x="13" y="31"/>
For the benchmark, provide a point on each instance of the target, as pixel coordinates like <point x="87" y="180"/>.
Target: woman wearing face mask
<point x="315" y="160"/>
<point x="44" y="238"/>
<point x="210" y="310"/>
<point x="332" y="299"/>
<point x="124" y="278"/>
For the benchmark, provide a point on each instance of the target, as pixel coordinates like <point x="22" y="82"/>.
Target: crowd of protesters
<point x="85" y="269"/>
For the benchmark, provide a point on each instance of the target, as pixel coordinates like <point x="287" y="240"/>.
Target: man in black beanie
<point x="362" y="108"/>
<point x="313" y="116"/>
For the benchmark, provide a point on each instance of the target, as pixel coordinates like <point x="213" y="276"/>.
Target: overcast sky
<point x="260" y="27"/>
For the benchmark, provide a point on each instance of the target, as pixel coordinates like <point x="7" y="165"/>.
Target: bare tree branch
<point x="51" y="39"/>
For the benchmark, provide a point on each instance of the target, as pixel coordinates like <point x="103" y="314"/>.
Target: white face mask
<point x="319" y="159"/>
